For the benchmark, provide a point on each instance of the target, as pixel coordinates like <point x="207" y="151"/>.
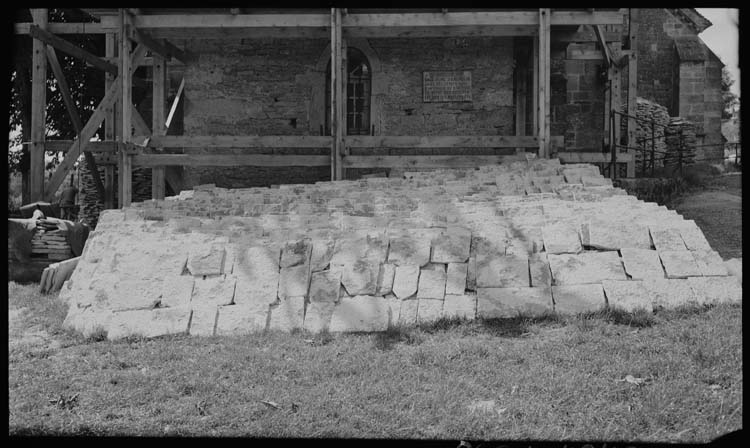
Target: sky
<point x="723" y="39"/>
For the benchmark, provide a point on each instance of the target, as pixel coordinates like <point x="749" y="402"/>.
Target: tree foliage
<point x="730" y="98"/>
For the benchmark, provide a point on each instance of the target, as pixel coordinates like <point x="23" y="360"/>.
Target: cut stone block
<point x="408" y="313"/>
<point x="429" y="310"/>
<point x="666" y="239"/>
<point x="503" y="272"/>
<point x="471" y="274"/>
<point x="295" y="253"/>
<point x="148" y="323"/>
<point x="214" y="290"/>
<point x="360" y="277"/>
<point x="322" y="251"/>
<point x="257" y="272"/>
<point x="456" y="278"/>
<point x="669" y="293"/>
<point x="288" y="314"/>
<point x="574" y="299"/>
<point x="561" y="239"/>
<point x="539" y="271"/>
<point x="733" y="266"/>
<point x="693" y="238"/>
<point x="293" y="281"/>
<point x="241" y="319"/>
<point x="596" y="181"/>
<point x="586" y="267"/>
<point x="176" y="290"/>
<point x="609" y="236"/>
<point x="709" y="263"/>
<point x="716" y="290"/>
<point x="431" y="284"/>
<point x="360" y="313"/>
<point x="87" y="321"/>
<point x="394" y="306"/>
<point x="131" y="295"/>
<point x="512" y="302"/>
<point x="641" y="264"/>
<point x="409" y="250"/>
<point x="679" y="263"/>
<point x="627" y="295"/>
<point x="460" y="305"/>
<point x="452" y="246"/>
<point x="519" y="247"/>
<point x="206" y="260"/>
<point x="318" y="316"/>
<point x="385" y="279"/>
<point x="405" y="281"/>
<point x="325" y="286"/>
<point x="203" y="321"/>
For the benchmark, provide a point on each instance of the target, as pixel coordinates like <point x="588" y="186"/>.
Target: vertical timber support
<point x="126" y="186"/>
<point x="632" y="87"/>
<point x="544" y="83"/>
<point x="521" y="89"/>
<point x="616" y="119"/>
<point x="336" y="95"/>
<point x="535" y="87"/>
<point x="158" y="121"/>
<point x="343" y="80"/>
<point x="109" y="126"/>
<point x="38" y="107"/>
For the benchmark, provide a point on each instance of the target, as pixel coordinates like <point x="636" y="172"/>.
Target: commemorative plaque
<point x="446" y="86"/>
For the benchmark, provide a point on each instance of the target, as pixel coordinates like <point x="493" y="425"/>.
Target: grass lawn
<point x="545" y="379"/>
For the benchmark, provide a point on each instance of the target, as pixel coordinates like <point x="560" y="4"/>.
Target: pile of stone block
<point x="681" y="140"/>
<point x="524" y="238"/>
<point x="652" y="120"/>
<point x="90" y="202"/>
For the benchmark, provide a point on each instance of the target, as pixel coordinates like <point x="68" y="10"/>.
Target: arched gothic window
<point x="358" y="92"/>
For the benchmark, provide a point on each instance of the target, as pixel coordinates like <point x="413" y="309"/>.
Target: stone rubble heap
<point x="681" y="140"/>
<point x="646" y="132"/>
<point x="359" y="256"/>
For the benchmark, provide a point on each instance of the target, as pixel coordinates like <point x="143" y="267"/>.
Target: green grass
<point x="551" y="378"/>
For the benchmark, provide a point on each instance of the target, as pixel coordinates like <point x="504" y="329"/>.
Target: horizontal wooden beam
<point x="230" y="160"/>
<point x="71" y="49"/>
<point x="63" y="28"/>
<point x="593" y="157"/>
<point x="468" y="141"/>
<point x="64" y="145"/>
<point x="486" y="18"/>
<point x="427" y="161"/>
<point x="247" y="141"/>
<point x="158" y="47"/>
<point x="583" y="36"/>
<point x="441" y="31"/>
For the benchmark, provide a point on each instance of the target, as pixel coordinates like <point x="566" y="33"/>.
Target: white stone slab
<point x="217" y="290"/>
<point x="148" y="323"/>
<point x="679" y="263"/>
<point x="288" y="314"/>
<point x="627" y="295"/>
<point x="716" y="290"/>
<point x="429" y="310"/>
<point x="582" y="298"/>
<point x="709" y="262"/>
<point x="408" y="313"/>
<point x="539" y="271"/>
<point x="669" y="293"/>
<point x="241" y="319"/>
<point x="88" y="321"/>
<point x="431" y="284"/>
<point x="207" y="259"/>
<point x="360" y="277"/>
<point x="503" y="272"/>
<point x="360" y="314"/>
<point x="733" y="266"/>
<point x="203" y="321"/>
<point x="666" y="238"/>
<point x="295" y="253"/>
<point x="641" y="264"/>
<point x="460" y="305"/>
<point x="409" y="250"/>
<point x="561" y="239"/>
<point x="405" y="281"/>
<point x="322" y="251"/>
<point x="293" y="281"/>
<point x="456" y="278"/>
<point x="318" y="316"/>
<point x="512" y="302"/>
<point x="605" y="235"/>
<point x="452" y="246"/>
<point x="385" y="279"/>
<point x="693" y="238"/>
<point x="257" y="272"/>
<point x="325" y="286"/>
<point x="586" y="267"/>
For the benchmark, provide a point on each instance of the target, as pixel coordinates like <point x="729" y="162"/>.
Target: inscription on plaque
<point x="444" y="86"/>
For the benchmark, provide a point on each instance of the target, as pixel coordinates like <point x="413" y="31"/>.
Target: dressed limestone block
<point x="371" y="247"/>
<point x="596" y="181"/>
<point x="586" y="267"/>
<point x="452" y="246"/>
<point x="293" y="281"/>
<point x="409" y="250"/>
<point x="709" y="262"/>
<point x="641" y="264"/>
<point x="614" y="235"/>
<point x="217" y="290"/>
<point x="408" y="312"/>
<point x="360" y="277"/>
<point x="176" y="290"/>
<point x="88" y="321"/>
<point x="429" y="310"/>
<point x="456" y="278"/>
<point x="539" y="271"/>
<point x="288" y="314"/>
<point x="666" y="238"/>
<point x="405" y="281"/>
<point x="512" y="302"/>
<point x="296" y="253"/>
<point x="318" y="316"/>
<point x="574" y="299"/>
<point x="257" y="272"/>
<point x="148" y="323"/>
<point x="325" y="286"/>
<point x="203" y="321"/>
<point x="733" y="266"/>
<point x="669" y="293"/>
<point x="627" y="295"/>
<point x="322" y="251"/>
<point x="360" y="313"/>
<point x="693" y="238"/>
<point x="206" y="260"/>
<point x="385" y="279"/>
<point x="716" y="290"/>
<point x="679" y="263"/>
<point x="471" y="273"/>
<point x="431" y="284"/>
<point x="561" y="239"/>
<point x="503" y="272"/>
<point x="460" y="305"/>
<point x="242" y="319"/>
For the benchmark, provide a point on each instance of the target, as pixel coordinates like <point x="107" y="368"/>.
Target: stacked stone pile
<point x="680" y="138"/>
<point x="529" y="237"/>
<point x="90" y="203"/>
<point x="648" y="110"/>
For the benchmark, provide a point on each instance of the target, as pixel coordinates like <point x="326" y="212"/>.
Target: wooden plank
<point x="75" y="119"/>
<point x="463" y="141"/>
<point x="616" y="106"/>
<point x="544" y="82"/>
<point x="240" y="141"/>
<point x="592" y="157"/>
<point x="335" y="73"/>
<point x="161" y="21"/>
<point x="427" y="161"/>
<point x="632" y="85"/>
<point x="535" y="86"/>
<point x="109" y="126"/>
<point x="521" y="90"/>
<point x="73" y="50"/>
<point x="485" y="18"/>
<point x="38" y="108"/>
<point x="158" y="120"/>
<point x="548" y="85"/>
<point x="341" y="104"/>
<point x="583" y="36"/>
<point x="157" y="47"/>
<point x="603" y="43"/>
<point x="230" y="160"/>
<point x="442" y="31"/>
<point x="63" y="28"/>
<point x="586" y="18"/>
<point x="95" y="147"/>
<point x="176" y="101"/>
<point x="583" y="54"/>
<point x="126" y="173"/>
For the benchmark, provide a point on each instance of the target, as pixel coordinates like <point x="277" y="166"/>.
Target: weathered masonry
<point x="264" y="97"/>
